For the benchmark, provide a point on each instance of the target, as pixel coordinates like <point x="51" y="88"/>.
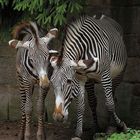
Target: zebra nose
<point x="44" y="81"/>
<point x="59" y="117"/>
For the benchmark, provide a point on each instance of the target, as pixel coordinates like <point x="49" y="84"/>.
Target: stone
<point x="132" y="46"/>
<point x="14" y="103"/>
<point x="136" y="90"/>
<point x="135" y="112"/>
<point x="4" y="103"/>
<point x="132" y="70"/>
<point x="7" y="70"/>
<point x="6" y="51"/>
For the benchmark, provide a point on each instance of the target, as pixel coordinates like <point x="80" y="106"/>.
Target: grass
<point x="131" y="134"/>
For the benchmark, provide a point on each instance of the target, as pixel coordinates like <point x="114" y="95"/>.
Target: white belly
<point x="116" y="70"/>
<point x="94" y="76"/>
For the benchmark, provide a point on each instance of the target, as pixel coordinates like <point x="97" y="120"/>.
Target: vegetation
<point x="46" y="13"/>
<point x="131" y="134"/>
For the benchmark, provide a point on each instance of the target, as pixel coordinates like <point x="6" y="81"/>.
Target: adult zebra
<point x="32" y="68"/>
<point x="93" y="50"/>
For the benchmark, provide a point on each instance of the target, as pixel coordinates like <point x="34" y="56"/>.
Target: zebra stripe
<point x="32" y="68"/>
<point x="89" y="40"/>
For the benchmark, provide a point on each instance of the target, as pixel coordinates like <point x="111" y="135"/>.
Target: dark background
<point x="127" y="13"/>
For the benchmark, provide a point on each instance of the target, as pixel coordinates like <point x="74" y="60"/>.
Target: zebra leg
<point x="80" y="113"/>
<point x="112" y="125"/>
<point x="41" y="111"/>
<point x="28" y="110"/>
<point x="107" y="86"/>
<point x="23" y="118"/>
<point x="92" y="100"/>
<point x="115" y="84"/>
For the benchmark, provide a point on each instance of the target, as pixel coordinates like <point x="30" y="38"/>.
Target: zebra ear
<point x="53" y="61"/>
<point x="53" y="52"/>
<point x="13" y="43"/>
<point x="53" y="57"/>
<point x="50" y="35"/>
<point x="17" y="44"/>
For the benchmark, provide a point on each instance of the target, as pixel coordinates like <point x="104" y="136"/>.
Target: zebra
<point x="93" y="52"/>
<point x="32" y="66"/>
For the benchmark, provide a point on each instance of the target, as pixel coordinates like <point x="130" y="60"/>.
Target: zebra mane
<point x="25" y="31"/>
<point x="76" y="25"/>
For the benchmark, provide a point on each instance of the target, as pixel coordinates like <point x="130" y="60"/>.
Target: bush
<point x="130" y="135"/>
<point x="46" y="13"/>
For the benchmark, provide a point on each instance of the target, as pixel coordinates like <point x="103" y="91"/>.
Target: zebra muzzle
<point x="57" y="115"/>
<point x="44" y="81"/>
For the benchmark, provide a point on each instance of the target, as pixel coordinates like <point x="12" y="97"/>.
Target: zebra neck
<point x="28" y="66"/>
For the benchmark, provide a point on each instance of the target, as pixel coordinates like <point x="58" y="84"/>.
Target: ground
<point x="9" y="131"/>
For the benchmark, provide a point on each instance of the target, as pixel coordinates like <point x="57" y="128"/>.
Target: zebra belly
<point x="96" y="77"/>
<point x="115" y="70"/>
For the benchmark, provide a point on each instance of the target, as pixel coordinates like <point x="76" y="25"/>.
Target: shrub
<point x="131" y="134"/>
<point x="45" y="12"/>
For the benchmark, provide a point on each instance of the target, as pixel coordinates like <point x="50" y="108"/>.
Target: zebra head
<point x="62" y="81"/>
<point x="66" y="83"/>
<point x="35" y="49"/>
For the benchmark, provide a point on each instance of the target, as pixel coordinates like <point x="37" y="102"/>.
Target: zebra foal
<point x="93" y="52"/>
<point x="32" y="68"/>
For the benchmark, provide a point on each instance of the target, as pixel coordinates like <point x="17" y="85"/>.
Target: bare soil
<point x="9" y="131"/>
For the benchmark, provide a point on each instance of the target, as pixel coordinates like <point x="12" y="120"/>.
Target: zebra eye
<point x="69" y="81"/>
<point x="31" y="59"/>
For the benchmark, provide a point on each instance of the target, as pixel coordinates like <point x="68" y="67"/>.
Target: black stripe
<point x="29" y="62"/>
<point x="26" y="61"/>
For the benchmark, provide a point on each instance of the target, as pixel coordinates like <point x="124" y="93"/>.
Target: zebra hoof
<point x="122" y="127"/>
<point x="111" y="130"/>
<point x="76" y="138"/>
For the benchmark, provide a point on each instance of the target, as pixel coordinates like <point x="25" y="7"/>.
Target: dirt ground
<point x="9" y="131"/>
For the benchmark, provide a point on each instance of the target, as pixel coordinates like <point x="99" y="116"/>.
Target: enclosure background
<point x="127" y="13"/>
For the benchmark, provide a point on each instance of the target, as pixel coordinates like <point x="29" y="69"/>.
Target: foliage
<point x="46" y="13"/>
<point x="51" y="12"/>
<point x="131" y="134"/>
<point x="3" y="2"/>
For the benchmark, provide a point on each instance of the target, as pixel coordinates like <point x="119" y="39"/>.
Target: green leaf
<point x="61" y="9"/>
<point x="59" y="19"/>
<point x="3" y="2"/>
<point x="130" y="135"/>
<point x="46" y="13"/>
<point x="22" y="5"/>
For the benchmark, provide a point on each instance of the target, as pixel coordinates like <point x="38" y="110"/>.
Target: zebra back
<point x="112" y="22"/>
